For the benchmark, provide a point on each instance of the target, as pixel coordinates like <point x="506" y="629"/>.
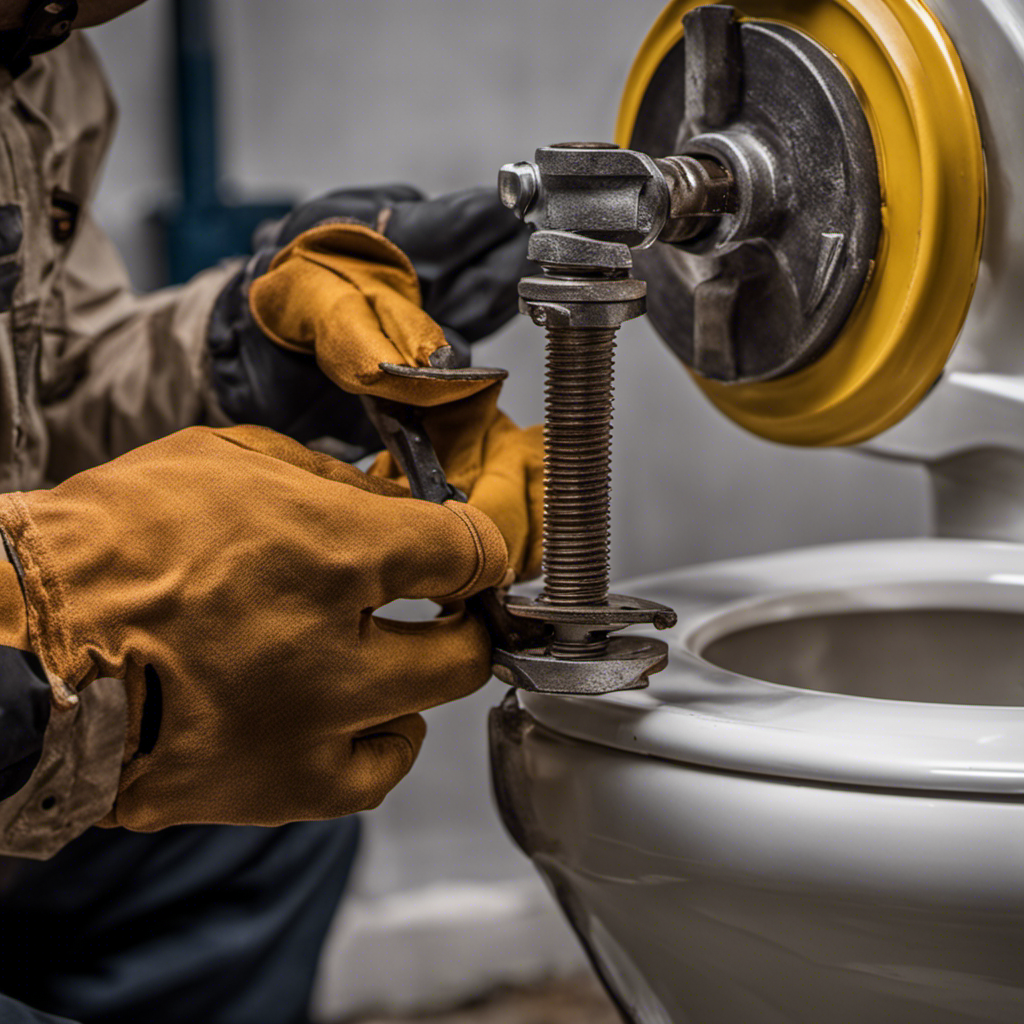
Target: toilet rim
<point x="696" y="713"/>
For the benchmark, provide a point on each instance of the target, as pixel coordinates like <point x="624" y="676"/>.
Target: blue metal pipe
<point x="200" y="228"/>
<point x="195" y="64"/>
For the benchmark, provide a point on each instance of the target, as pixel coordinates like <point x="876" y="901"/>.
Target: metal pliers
<point x="401" y="428"/>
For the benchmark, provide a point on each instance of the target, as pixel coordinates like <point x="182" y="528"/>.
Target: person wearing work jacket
<point x="188" y="646"/>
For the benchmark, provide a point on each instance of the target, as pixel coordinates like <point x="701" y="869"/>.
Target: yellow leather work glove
<point x="344" y="293"/>
<point x="229" y="577"/>
<point x="499" y="467"/>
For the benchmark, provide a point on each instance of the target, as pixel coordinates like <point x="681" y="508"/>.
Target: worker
<point x="188" y="646"/>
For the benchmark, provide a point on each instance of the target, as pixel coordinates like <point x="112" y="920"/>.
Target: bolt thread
<point x="577" y="465"/>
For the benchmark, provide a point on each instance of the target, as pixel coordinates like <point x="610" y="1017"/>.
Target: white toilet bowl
<point x="816" y="813"/>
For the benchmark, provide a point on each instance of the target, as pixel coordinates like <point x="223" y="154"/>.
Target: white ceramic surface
<point x="734" y="851"/>
<point x="979" y="401"/>
<point x="701" y="714"/>
<point x="976" y="407"/>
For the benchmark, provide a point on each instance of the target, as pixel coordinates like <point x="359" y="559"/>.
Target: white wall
<point x="321" y="93"/>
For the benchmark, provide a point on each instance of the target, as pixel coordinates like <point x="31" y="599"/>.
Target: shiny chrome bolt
<point x="517" y="186"/>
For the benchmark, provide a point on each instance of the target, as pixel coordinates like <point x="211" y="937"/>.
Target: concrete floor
<point x="573" y="1001"/>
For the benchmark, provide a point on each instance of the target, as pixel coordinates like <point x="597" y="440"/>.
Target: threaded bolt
<point x="577" y="472"/>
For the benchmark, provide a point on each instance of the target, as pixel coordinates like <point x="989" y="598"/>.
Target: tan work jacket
<point x="88" y="370"/>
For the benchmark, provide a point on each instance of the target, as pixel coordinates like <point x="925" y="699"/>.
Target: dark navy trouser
<point x="209" y="924"/>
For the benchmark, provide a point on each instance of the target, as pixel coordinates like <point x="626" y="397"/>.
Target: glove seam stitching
<point x="478" y="547"/>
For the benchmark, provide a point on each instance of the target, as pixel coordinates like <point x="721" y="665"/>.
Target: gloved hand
<point x="467" y="254"/>
<point x="230" y="578"/>
<point x="345" y="294"/>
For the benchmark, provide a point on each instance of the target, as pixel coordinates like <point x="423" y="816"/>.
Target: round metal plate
<point x="895" y="342"/>
<point x="775" y="301"/>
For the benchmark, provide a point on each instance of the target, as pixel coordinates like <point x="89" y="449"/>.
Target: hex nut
<point x="626" y="665"/>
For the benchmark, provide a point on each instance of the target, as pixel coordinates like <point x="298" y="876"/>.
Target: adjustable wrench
<point x="401" y="429"/>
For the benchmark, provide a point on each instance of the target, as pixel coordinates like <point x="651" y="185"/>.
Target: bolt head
<point x="517" y="187"/>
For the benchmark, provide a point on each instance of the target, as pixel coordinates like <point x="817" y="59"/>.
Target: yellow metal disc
<point x="898" y="338"/>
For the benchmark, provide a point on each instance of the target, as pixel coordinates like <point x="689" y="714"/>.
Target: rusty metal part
<point x="581" y="631"/>
<point x="700" y="191"/>
<point x="616" y="611"/>
<point x="578" y="464"/>
<point x="575" y="610"/>
<point x="764" y="288"/>
<point x="565" y="299"/>
<point x="639" y="199"/>
<point x="592" y="203"/>
<point x="623" y="664"/>
<point x="572" y="180"/>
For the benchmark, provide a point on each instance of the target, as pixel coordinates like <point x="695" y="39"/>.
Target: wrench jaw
<point x="453" y="373"/>
<point x="401" y="429"/>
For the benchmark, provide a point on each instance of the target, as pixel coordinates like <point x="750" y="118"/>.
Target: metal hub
<point x="769" y="285"/>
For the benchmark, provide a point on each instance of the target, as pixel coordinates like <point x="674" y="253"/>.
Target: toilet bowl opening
<point x="934" y="655"/>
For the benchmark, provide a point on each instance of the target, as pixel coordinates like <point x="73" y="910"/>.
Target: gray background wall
<point x="322" y="93"/>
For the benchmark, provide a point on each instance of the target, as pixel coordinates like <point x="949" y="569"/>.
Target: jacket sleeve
<point x="118" y="369"/>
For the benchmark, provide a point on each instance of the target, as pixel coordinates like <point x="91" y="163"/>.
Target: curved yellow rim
<point x="919" y="106"/>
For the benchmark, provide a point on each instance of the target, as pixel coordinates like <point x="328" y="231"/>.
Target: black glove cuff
<point x="24" y="714"/>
